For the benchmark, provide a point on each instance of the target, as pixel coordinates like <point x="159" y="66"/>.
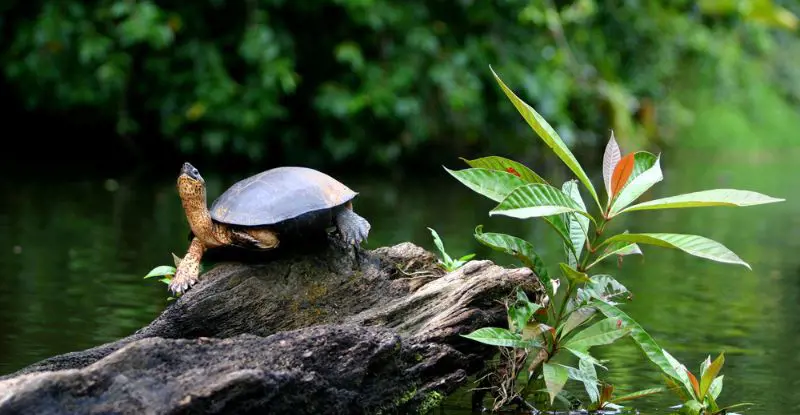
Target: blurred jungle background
<point x="102" y="100"/>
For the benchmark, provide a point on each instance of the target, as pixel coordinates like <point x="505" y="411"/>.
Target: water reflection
<point x="73" y="253"/>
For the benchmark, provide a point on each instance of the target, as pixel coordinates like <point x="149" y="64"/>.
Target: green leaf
<point x="536" y="200"/>
<point x="645" y="342"/>
<point x="589" y="379"/>
<point x="698" y="246"/>
<point x="576" y="318"/>
<point x="577" y="224"/>
<point x="621" y="248"/>
<point x="636" y="187"/>
<point x="519" y="248"/>
<point x="584" y="355"/>
<point x="497" y="336"/>
<point x="522" y="311"/>
<point x="504" y="164"/>
<point x="555" y="377"/>
<point x="711" y="373"/>
<point x="493" y="184"/>
<point x="176" y="259"/>
<point x="681" y="373"/>
<point x="636" y="395"/>
<point x="572" y="275"/>
<point x="716" y="387"/>
<point x="440" y="246"/>
<point x="549" y="136"/>
<point x="161" y="271"/>
<point x="715" y="197"/>
<point x="466" y="258"/>
<point x="605" y="286"/>
<point x="603" y="332"/>
<point x="693" y="407"/>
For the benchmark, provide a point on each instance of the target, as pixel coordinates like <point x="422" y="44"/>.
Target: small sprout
<point x="446" y="262"/>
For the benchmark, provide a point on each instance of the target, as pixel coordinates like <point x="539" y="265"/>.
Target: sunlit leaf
<point x="715" y="197"/>
<point x="698" y="246"/>
<point x="603" y="332"/>
<point x="645" y="342"/>
<point x="622" y="171"/>
<point x="555" y="377"/>
<point x="536" y="200"/>
<point x="549" y="136"/>
<point x="519" y="248"/>
<point x="497" y="336"/>
<point x="493" y="184"/>
<point x="440" y="246"/>
<point x="711" y="373"/>
<point x="506" y="165"/>
<point x="636" y="395"/>
<point x="611" y="157"/>
<point x="716" y="387"/>
<point x="161" y="271"/>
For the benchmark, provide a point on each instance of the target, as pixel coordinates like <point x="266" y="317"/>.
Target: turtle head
<point x="191" y="183"/>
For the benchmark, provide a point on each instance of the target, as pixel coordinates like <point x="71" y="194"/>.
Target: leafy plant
<point x="699" y="397"/>
<point x="579" y="311"/>
<point x="446" y="262"/>
<point x="166" y="273"/>
<point x="607" y="400"/>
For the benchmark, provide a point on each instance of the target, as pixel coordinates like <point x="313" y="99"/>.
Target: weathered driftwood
<point x="314" y="332"/>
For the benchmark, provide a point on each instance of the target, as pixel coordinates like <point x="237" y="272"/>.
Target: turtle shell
<point x="277" y="195"/>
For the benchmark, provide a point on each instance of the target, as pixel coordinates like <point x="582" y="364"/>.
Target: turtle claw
<point x="181" y="283"/>
<point x="353" y="228"/>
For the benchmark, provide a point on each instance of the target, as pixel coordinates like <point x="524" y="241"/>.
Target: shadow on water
<point x="73" y="254"/>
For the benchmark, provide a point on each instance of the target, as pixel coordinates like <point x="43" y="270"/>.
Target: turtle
<point x="257" y="212"/>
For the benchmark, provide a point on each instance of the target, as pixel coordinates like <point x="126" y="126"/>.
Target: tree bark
<point x="329" y="330"/>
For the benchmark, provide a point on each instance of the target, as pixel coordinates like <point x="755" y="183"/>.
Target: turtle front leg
<point x="353" y="228"/>
<point x="189" y="268"/>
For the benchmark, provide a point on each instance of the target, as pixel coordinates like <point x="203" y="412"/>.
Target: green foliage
<point x="580" y="311"/>
<point x="699" y="397"/>
<point x="446" y="262"/>
<point x="368" y="80"/>
<point x="167" y="272"/>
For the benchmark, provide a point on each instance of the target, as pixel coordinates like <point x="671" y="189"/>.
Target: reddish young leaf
<point x="513" y="171"/>
<point x="695" y="385"/>
<point x="621" y="174"/>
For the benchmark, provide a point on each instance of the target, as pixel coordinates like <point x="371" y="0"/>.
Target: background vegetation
<point x="377" y="82"/>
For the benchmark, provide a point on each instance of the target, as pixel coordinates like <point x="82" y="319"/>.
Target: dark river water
<point x="73" y="254"/>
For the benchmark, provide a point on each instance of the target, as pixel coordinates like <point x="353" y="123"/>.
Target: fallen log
<point x="316" y="332"/>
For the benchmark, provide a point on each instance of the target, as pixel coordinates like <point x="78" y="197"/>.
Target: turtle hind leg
<point x="353" y="228"/>
<point x="189" y="268"/>
<point x="254" y="238"/>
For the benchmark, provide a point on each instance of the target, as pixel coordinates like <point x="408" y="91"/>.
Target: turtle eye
<point x="195" y="172"/>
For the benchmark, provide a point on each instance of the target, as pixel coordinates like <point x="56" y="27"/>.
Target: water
<point x="73" y="253"/>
